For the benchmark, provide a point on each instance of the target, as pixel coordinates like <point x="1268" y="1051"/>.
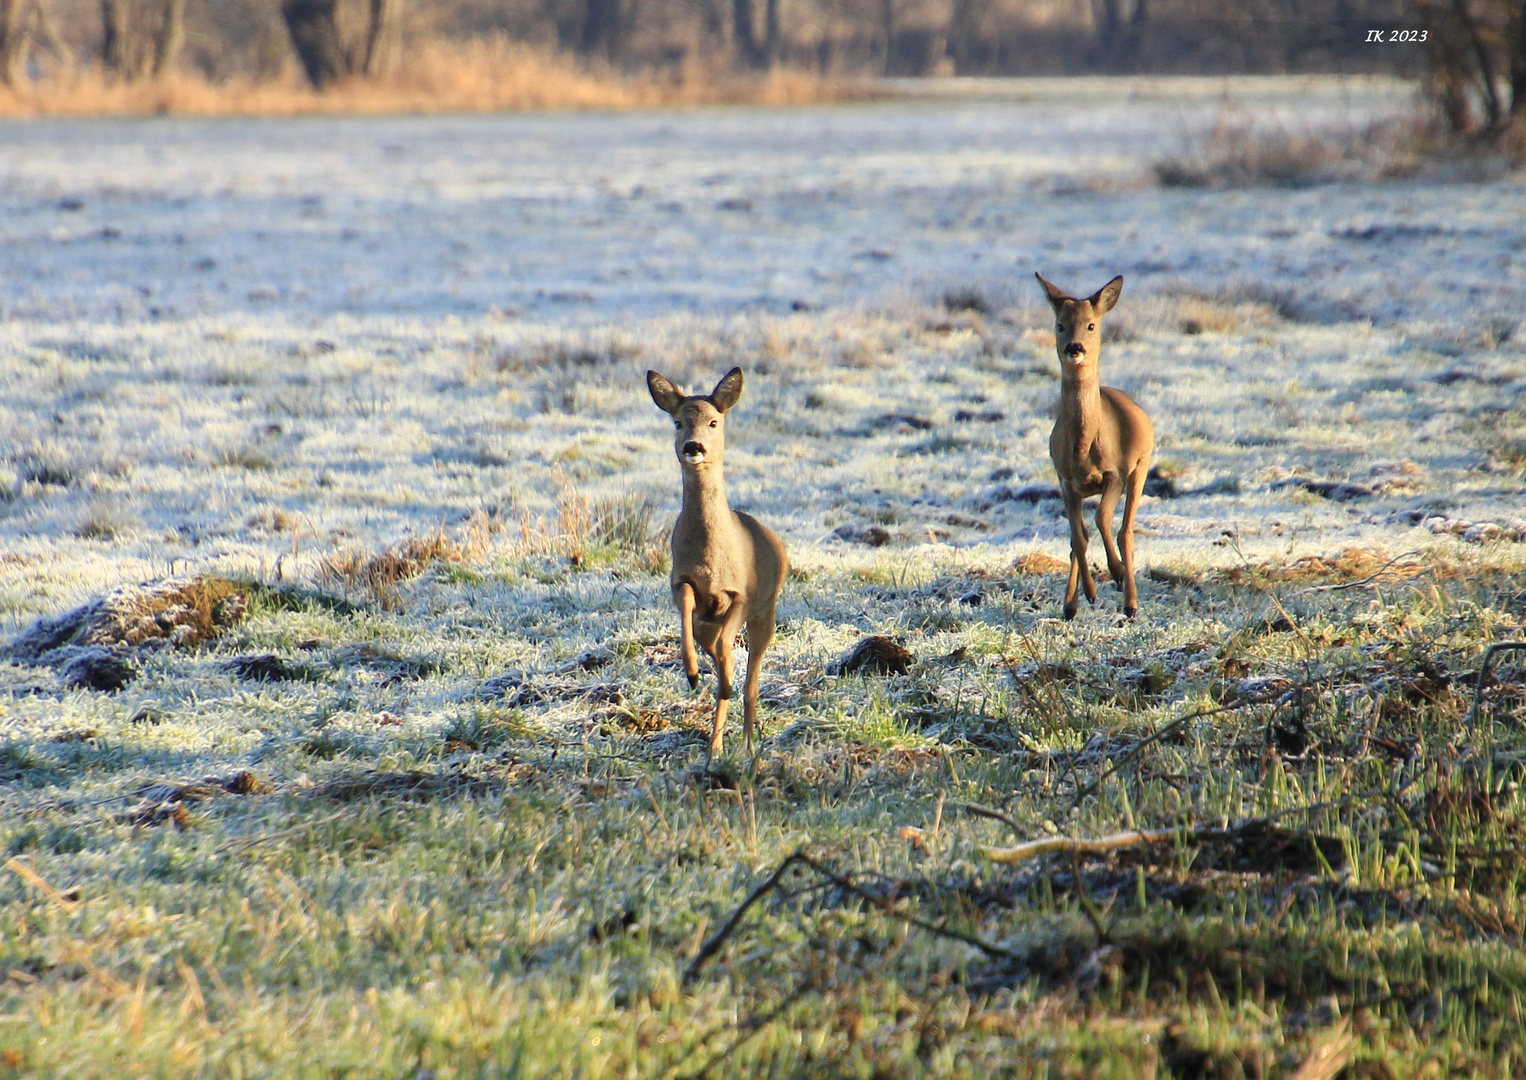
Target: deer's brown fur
<point x="728" y="568"/>
<point x="1101" y="443"/>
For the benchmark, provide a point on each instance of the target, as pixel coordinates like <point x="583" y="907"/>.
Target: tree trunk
<point x="169" y="36"/>
<point x="1518" y="65"/>
<point x="1141" y="12"/>
<point x="771" y="42"/>
<point x="1488" y="84"/>
<point x="887" y="30"/>
<point x="14" y="39"/>
<point x="314" y="29"/>
<point x="383" y="38"/>
<point x="118" y="47"/>
<point x="744" y="36"/>
<point x="1111" y="22"/>
<point x="601" y="29"/>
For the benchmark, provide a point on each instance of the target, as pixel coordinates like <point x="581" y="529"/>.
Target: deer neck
<point x="1081" y="397"/>
<point x="705" y="505"/>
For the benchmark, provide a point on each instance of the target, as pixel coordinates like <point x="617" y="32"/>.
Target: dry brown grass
<point x="378" y="574"/>
<point x="490" y="75"/>
<point x="1038" y="562"/>
<point x="1238" y="154"/>
<point x="1347" y="565"/>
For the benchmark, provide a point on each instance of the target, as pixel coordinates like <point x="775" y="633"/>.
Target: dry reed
<point x="487" y="75"/>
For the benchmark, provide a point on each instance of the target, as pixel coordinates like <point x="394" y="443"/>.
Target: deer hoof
<point x="1070" y="612"/>
<point x="1130" y="612"/>
<point x="694" y="681"/>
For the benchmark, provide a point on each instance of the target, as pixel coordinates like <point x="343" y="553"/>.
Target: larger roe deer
<point x="1101" y="443"/>
<point x="727" y="567"/>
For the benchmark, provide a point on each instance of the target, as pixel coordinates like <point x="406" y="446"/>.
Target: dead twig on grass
<point x="1369" y="579"/>
<point x="1132" y="838"/>
<point x="1483" y="673"/>
<point x="1155" y="736"/>
<point x="244" y="843"/>
<point x="883" y="904"/>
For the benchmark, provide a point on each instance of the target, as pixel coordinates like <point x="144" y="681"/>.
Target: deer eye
<point x="1060" y="327"/>
<point x="1091" y="326"/>
<point x="678" y="423"/>
<point x="712" y="423"/>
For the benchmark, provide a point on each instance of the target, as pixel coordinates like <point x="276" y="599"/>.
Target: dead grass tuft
<point x="379" y="575"/>
<point x="589" y="531"/>
<point x="1350" y="564"/>
<point x="1237" y="154"/>
<point x="1039" y="562"/>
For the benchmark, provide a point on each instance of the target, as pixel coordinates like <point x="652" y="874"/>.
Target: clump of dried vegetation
<point x="484" y="75"/>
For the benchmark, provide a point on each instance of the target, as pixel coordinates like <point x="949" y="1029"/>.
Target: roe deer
<point x="1101" y="443"/>
<point x="727" y="568"/>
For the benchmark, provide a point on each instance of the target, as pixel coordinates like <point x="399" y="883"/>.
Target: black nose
<point x="691" y="447"/>
<point x="1075" y="348"/>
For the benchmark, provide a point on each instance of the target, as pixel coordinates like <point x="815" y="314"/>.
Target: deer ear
<point x="1104" y="298"/>
<point x="728" y="390"/>
<point x="1054" y="292"/>
<point x="664" y="393"/>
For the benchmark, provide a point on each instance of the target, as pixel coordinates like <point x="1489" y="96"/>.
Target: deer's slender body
<point x="728" y="567"/>
<point x="1101" y="443"/>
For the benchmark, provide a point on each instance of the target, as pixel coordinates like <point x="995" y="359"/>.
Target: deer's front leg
<point x="683" y="596"/>
<point x="724" y="652"/>
<point x="1078" y="567"/>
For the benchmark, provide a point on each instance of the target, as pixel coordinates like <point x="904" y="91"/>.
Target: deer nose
<point x="1074" y="349"/>
<point x="693" y="449"/>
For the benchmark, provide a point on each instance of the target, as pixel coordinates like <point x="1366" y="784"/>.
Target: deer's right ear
<point x="664" y="393"/>
<point x="1054" y="292"/>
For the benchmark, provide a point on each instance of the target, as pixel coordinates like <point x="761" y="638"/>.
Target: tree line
<point x="1473" y="52"/>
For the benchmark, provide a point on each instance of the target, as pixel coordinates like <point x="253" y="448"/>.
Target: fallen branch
<point x="243" y="843"/>
<point x="1483" y="673"/>
<point x="884" y="905"/>
<point x="987" y="812"/>
<point x="1052" y="844"/>
<point x="1156" y="736"/>
<point x="1369" y="579"/>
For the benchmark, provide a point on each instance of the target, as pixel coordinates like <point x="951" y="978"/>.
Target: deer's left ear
<point x="728" y="390"/>
<point x="1104" y="298"/>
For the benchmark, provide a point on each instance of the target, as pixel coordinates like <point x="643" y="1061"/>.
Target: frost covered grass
<point x="392" y="769"/>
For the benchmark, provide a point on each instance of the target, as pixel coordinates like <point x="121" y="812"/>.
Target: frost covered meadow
<point x="410" y="784"/>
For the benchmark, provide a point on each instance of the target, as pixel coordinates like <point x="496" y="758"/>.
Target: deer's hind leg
<point x="760" y="631"/>
<point x="1079" y="570"/>
<point x="1112" y="487"/>
<point x="1126" y="535"/>
<point x="720" y="642"/>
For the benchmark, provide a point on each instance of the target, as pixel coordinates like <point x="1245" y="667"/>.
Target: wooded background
<point x="1474" y="52"/>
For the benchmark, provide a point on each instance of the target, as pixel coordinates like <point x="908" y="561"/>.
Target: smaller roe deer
<point x="1101" y="443"/>
<point x="727" y="568"/>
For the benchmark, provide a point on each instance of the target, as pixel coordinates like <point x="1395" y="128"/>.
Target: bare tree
<point x="15" y="39"/>
<point x="744" y="34"/>
<point x="601" y="29"/>
<point x="1474" y="47"/>
<point x="326" y="56"/>
<point x="141" y="38"/>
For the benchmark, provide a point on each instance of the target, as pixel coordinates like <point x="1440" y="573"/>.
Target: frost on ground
<point x="372" y="390"/>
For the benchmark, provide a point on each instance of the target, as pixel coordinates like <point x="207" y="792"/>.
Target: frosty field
<point x="428" y="796"/>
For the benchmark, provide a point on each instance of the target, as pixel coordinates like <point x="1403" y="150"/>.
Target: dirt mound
<point x="183" y="612"/>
